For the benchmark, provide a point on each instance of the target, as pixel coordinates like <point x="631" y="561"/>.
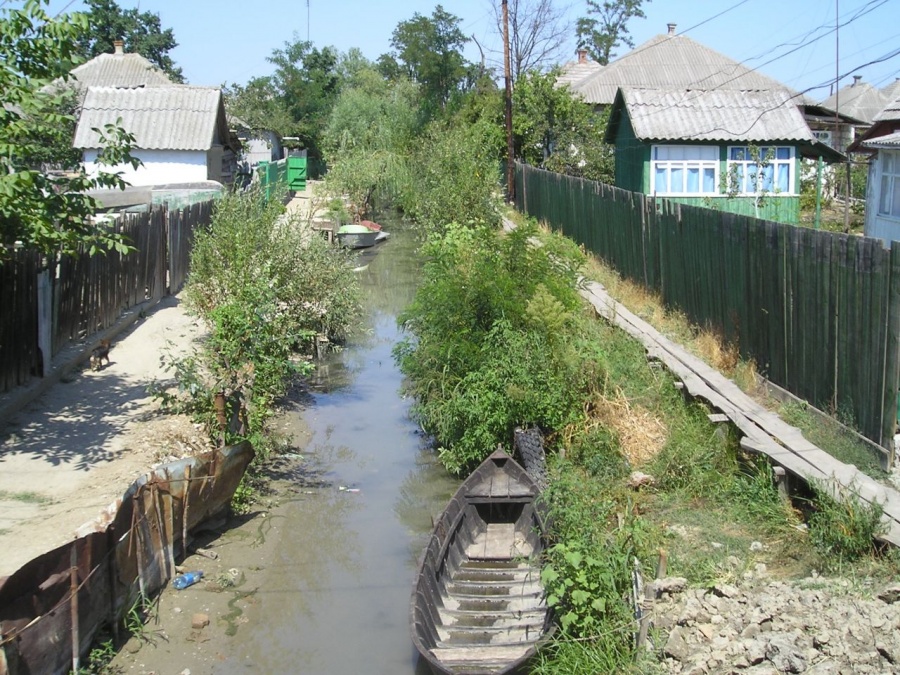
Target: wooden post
<point x="819" y="168"/>
<point x="73" y="606"/>
<point x="510" y="150"/>
<point x="650" y="594"/>
<point x="184" y="512"/>
<point x="891" y="359"/>
<point x="45" y="320"/>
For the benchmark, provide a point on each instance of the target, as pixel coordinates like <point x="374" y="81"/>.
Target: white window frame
<point x="700" y="164"/>
<point x="748" y="170"/>
<point x="889" y="184"/>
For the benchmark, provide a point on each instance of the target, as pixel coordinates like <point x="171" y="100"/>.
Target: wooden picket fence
<point x="818" y="312"/>
<point x="90" y="292"/>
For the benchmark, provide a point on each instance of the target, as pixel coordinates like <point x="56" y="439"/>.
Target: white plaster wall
<point x="160" y="166"/>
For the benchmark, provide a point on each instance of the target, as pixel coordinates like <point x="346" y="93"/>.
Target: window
<point x="889" y="200"/>
<point x="685" y="169"/>
<point x="823" y="137"/>
<point x="764" y="169"/>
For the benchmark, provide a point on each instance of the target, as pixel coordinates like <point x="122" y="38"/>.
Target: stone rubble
<point x="762" y="626"/>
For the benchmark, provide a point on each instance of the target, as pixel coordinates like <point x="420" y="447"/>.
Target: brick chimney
<point x="119" y="46"/>
<point x="856" y="79"/>
<point x="671" y="27"/>
<point x="582" y="55"/>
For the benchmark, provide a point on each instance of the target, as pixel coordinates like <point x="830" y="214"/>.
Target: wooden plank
<point x="469" y="656"/>
<point x="765" y="432"/>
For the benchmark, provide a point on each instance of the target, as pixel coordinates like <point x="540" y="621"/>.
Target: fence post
<point x="45" y="320"/>
<point x="889" y="412"/>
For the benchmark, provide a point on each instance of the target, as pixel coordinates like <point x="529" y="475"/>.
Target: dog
<point x="99" y="353"/>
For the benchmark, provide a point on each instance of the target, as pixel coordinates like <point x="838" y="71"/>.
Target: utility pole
<point x="510" y="153"/>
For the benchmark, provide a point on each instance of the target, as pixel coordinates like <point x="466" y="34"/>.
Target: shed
<point x="180" y="132"/>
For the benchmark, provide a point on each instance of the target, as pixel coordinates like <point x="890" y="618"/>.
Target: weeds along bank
<point x="497" y="338"/>
<point x="269" y="294"/>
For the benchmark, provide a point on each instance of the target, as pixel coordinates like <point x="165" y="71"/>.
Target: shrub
<point x="266" y="290"/>
<point x="844" y="529"/>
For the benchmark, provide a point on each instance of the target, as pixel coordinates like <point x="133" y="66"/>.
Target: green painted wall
<point x="632" y="158"/>
<point x="633" y="174"/>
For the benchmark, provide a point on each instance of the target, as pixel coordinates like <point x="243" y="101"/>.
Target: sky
<point x="228" y="41"/>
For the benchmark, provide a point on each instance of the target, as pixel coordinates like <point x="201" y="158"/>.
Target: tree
<point x="430" y="51"/>
<point x="601" y="35"/>
<point x="537" y="32"/>
<point x="260" y="105"/>
<point x="141" y="31"/>
<point x="48" y="212"/>
<point x="306" y="82"/>
<point x="557" y="131"/>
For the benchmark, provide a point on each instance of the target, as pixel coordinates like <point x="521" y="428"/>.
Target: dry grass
<point x="706" y="344"/>
<point x="641" y="435"/>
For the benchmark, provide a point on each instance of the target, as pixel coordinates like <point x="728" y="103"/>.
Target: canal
<point x="333" y="595"/>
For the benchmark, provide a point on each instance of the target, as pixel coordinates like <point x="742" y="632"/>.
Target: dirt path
<point x="76" y="448"/>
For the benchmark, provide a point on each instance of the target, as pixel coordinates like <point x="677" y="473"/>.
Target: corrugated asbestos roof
<point x="119" y="70"/>
<point x="860" y="100"/>
<point x="176" y="117"/>
<point x="888" y="141"/>
<point x="892" y="90"/>
<point x="575" y="71"/>
<point x="718" y="115"/>
<point x="673" y="61"/>
<point x="890" y="112"/>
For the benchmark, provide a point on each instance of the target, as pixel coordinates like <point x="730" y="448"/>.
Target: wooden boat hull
<point x="478" y="605"/>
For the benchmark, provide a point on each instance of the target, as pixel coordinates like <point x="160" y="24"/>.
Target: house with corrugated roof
<point x="856" y="106"/>
<point x="574" y="72"/>
<point x="882" y="142"/>
<point x="734" y="150"/>
<point x="695" y="126"/>
<point x="180" y="131"/>
<point x="116" y="69"/>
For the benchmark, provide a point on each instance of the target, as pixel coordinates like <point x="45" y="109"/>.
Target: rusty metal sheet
<point x="128" y="550"/>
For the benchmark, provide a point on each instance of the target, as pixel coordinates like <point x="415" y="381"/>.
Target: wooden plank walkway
<point x="764" y="431"/>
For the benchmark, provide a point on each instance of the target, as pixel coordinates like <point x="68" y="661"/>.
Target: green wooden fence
<point x="819" y="312"/>
<point x="288" y="173"/>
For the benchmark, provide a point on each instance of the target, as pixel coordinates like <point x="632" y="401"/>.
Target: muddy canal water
<point x="334" y="595"/>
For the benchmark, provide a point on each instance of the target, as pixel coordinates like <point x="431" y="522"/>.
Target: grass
<point x="25" y="497"/>
<point x="830" y="435"/>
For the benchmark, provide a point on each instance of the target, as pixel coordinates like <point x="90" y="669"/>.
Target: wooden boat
<point x="478" y="605"/>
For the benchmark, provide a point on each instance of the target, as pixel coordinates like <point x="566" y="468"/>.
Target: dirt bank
<point x="76" y="448"/>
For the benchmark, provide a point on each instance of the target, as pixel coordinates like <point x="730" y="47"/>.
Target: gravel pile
<point x="762" y="626"/>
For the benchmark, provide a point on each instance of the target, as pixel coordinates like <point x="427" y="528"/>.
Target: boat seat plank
<point x="499" y="542"/>
<point x="458" y="656"/>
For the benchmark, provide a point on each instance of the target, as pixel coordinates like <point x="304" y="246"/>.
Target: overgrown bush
<point x="266" y="290"/>
<point x="455" y="178"/>
<point x="486" y="350"/>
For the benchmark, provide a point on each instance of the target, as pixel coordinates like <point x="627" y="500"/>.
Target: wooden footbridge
<point x="762" y="431"/>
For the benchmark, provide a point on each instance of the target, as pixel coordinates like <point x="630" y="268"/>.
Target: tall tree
<point x="141" y="31"/>
<point x="430" y="51"/>
<point x="39" y="210"/>
<point x="537" y="33"/>
<point x="307" y="83"/>
<point x="606" y="27"/>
